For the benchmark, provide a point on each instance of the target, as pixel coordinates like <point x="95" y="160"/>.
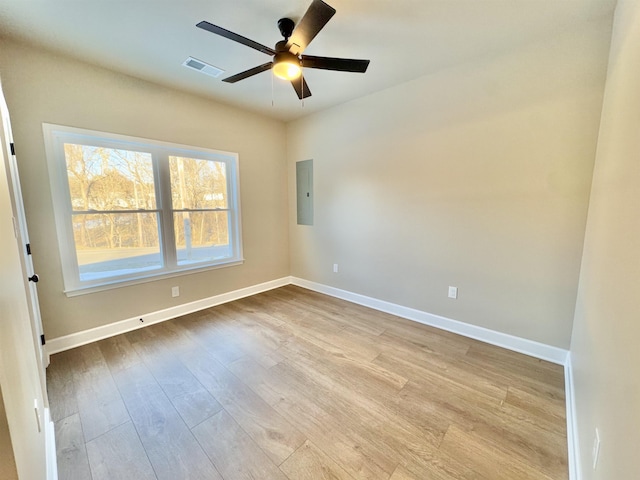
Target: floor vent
<point x="203" y="67"/>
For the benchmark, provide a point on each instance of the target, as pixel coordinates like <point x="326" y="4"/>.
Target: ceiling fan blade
<point x="314" y="20"/>
<point x="340" y="64"/>
<point x="210" y="27"/>
<point x="301" y="87"/>
<point x="248" y="73"/>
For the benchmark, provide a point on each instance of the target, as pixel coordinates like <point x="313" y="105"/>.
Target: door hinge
<point x="13" y="148"/>
<point x="42" y="340"/>
<point x="28" y="249"/>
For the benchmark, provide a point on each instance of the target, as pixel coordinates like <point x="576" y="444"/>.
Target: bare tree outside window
<point x="201" y="220"/>
<point x="115" y="220"/>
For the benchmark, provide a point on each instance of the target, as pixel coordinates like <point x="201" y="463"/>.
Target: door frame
<point x="22" y="233"/>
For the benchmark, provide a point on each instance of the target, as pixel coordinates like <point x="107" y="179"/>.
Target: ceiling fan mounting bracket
<point x="285" y="25"/>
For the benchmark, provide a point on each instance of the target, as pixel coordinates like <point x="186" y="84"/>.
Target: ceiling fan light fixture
<point x="286" y="66"/>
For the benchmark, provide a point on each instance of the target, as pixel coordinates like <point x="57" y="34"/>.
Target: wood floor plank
<point x="186" y="393"/>
<point x="119" y="455"/>
<point x="61" y="388"/>
<point x="525" y="438"/>
<point x="320" y="371"/>
<point x="221" y="342"/>
<point x="438" y="466"/>
<point x="426" y="338"/>
<point x="453" y="370"/>
<point x="339" y="312"/>
<point x="311" y="463"/>
<point x="485" y="460"/>
<point x="171" y="447"/>
<point x="195" y="407"/>
<point x="534" y="373"/>
<point x="233" y="452"/>
<point x="538" y="405"/>
<point x="276" y="436"/>
<point x="401" y="473"/>
<point x="366" y="416"/>
<point x="320" y="330"/>
<point x="118" y="352"/>
<point x="294" y="384"/>
<point x="439" y="387"/>
<point x="144" y="334"/>
<point x="99" y="403"/>
<point x="365" y="376"/>
<point x="88" y="357"/>
<point x="173" y="377"/>
<point x="353" y="452"/>
<point x="71" y="452"/>
<point x="431" y="472"/>
<point x="227" y="336"/>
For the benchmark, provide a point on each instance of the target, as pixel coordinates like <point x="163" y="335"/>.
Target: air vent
<point x="203" y="67"/>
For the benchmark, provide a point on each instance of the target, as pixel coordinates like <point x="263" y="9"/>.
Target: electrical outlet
<point x="175" y="291"/>
<point x="453" y="292"/>
<point x="335" y="268"/>
<point x="596" y="448"/>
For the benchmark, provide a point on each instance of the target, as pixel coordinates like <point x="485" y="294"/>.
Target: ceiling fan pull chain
<point x="272" y="104"/>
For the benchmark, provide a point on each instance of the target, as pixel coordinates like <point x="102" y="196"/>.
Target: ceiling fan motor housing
<point x="283" y="54"/>
<point x="286" y="57"/>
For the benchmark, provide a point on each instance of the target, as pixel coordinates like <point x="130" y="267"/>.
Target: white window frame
<point x="55" y="136"/>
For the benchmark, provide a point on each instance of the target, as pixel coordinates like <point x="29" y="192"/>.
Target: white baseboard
<point x="84" y="337"/>
<point x="510" y="342"/>
<point x="573" y="444"/>
<point x="50" y="446"/>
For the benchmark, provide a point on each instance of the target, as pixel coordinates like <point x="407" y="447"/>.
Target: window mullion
<point x="161" y="160"/>
<point x="233" y="206"/>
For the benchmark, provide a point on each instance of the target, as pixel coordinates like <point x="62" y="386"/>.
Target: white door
<point x="22" y="373"/>
<point x="30" y="277"/>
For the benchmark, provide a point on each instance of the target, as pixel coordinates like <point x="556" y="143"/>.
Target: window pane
<point x="198" y="183"/>
<point x="202" y="236"/>
<point x="109" y="179"/>
<point x="110" y="245"/>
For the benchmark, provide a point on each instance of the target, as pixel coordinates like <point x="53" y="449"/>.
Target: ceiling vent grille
<point x="203" y="67"/>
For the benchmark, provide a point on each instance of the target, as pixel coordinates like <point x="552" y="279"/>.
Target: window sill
<point x="74" y="292"/>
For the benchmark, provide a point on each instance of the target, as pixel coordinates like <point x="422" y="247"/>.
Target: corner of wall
<point x="573" y="443"/>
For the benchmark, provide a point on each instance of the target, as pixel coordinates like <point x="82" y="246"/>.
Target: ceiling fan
<point x="288" y="60"/>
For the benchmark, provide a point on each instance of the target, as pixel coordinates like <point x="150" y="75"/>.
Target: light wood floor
<point x="291" y="384"/>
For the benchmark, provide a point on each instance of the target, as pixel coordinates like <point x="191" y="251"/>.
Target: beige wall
<point x="605" y="347"/>
<point x="7" y="461"/>
<point x="476" y="177"/>
<point x="42" y="87"/>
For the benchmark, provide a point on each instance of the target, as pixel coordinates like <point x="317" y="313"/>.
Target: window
<point x="129" y="209"/>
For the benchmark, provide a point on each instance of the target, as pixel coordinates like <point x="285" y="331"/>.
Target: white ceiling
<point x="404" y="39"/>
